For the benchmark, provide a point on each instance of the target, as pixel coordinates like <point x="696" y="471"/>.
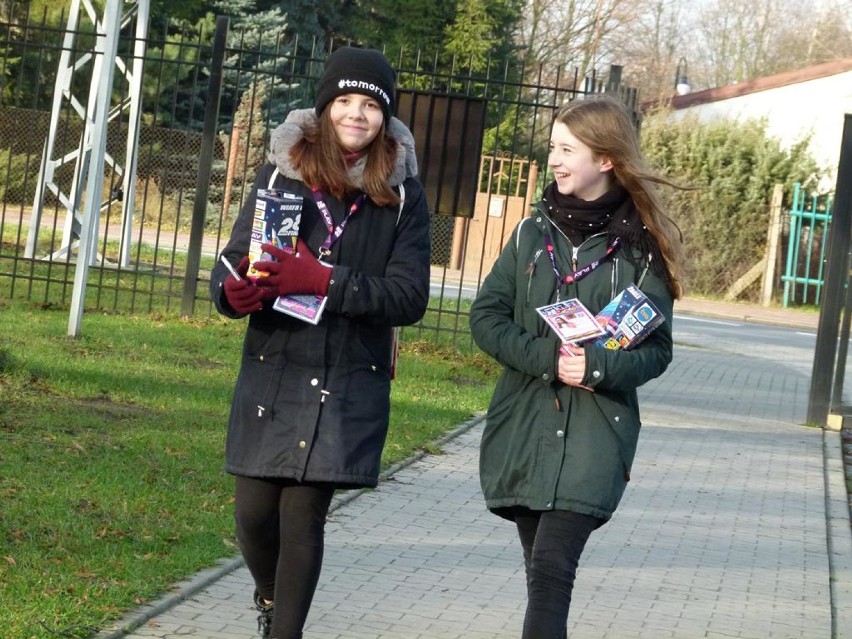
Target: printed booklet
<point x="277" y="215"/>
<point x="629" y="318"/>
<point x="572" y="321"/>
<point x="276" y="221"/>
<point x="305" y="307"/>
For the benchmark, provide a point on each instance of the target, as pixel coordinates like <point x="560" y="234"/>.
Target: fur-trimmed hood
<point x="291" y="130"/>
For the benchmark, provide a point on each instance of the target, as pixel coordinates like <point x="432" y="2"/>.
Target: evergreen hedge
<point x="732" y="167"/>
<point x="18" y="177"/>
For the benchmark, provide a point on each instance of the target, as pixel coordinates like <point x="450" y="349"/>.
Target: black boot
<point x="264" y="619"/>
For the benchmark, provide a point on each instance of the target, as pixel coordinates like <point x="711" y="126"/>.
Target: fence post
<point x="772" y="240"/>
<point x="826" y="358"/>
<point x="205" y="165"/>
<point x="233" y="152"/>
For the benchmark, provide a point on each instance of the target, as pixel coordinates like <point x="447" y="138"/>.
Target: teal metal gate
<point x="809" y="220"/>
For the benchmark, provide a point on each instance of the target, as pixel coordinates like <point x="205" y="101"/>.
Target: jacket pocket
<point x="263" y="344"/>
<point x="368" y="348"/>
<point x="624" y="424"/>
<point x="509" y="387"/>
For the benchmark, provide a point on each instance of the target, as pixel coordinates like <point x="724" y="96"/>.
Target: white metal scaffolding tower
<point x="90" y="158"/>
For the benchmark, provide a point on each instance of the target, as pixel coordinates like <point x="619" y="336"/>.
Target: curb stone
<point x="839" y="535"/>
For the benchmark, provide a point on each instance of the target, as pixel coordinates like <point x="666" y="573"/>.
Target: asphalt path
<point x="787" y="347"/>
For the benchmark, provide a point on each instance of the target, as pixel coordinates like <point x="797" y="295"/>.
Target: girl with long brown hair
<point x="563" y="424"/>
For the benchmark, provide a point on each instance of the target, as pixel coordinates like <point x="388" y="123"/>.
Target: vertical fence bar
<point x="134" y="120"/>
<point x="205" y="164"/>
<point x="806" y="281"/>
<point x="797" y="243"/>
<point x="825" y="226"/>
<point x="792" y="246"/>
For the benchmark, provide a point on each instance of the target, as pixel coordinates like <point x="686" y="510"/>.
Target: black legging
<point x="553" y="542"/>
<point x="280" y="529"/>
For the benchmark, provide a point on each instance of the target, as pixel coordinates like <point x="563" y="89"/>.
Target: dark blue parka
<point x="312" y="403"/>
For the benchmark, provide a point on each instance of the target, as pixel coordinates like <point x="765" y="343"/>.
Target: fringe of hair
<point x="322" y="163"/>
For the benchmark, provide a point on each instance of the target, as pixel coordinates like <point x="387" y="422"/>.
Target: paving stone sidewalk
<point x="722" y="533"/>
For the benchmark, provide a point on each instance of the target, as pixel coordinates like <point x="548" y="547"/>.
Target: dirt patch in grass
<point x="466" y="381"/>
<point x="106" y="408"/>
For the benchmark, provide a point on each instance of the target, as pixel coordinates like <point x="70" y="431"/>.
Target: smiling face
<point x="357" y="120"/>
<point x="576" y="169"/>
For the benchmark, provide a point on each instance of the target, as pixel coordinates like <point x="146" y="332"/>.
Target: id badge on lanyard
<point x="578" y="274"/>
<point x="334" y="232"/>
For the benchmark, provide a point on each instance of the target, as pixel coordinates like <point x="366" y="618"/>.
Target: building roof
<point x="758" y="84"/>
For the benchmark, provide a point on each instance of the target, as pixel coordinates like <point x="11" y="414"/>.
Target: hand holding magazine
<point x="622" y="324"/>
<point x="572" y="321"/>
<point x="277" y="215"/>
<point x="276" y="221"/>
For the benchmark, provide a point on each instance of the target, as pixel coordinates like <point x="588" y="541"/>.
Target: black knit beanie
<point x="353" y="70"/>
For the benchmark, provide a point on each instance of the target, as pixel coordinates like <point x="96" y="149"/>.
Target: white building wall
<point x="792" y="111"/>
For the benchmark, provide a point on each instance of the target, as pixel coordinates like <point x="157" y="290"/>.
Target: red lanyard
<point x="334" y="232"/>
<point x="579" y="274"/>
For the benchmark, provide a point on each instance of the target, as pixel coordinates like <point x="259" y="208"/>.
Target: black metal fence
<point x="197" y="156"/>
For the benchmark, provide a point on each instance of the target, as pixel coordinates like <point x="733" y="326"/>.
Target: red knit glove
<point x="243" y="296"/>
<point x="293" y="273"/>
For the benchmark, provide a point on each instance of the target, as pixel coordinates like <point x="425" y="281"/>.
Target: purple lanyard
<point x="579" y="274"/>
<point x="334" y="232"/>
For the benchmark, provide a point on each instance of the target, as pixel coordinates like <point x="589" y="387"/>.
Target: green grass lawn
<point x="111" y="449"/>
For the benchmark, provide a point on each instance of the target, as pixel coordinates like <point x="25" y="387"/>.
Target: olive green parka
<point x="546" y="445"/>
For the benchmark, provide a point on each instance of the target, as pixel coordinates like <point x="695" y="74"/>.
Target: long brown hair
<point x="604" y="125"/>
<point x="322" y="162"/>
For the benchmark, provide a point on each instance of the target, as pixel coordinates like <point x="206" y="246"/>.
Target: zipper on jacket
<point x="613" y="288"/>
<point x="575" y="250"/>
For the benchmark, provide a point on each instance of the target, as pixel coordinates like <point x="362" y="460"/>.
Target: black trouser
<point x="280" y="529"/>
<point x="553" y="542"/>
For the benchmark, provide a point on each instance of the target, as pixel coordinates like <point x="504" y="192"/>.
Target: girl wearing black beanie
<point x="311" y="406"/>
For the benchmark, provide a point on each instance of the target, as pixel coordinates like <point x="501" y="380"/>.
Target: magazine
<point x="628" y="319"/>
<point x="277" y="215"/>
<point x="572" y="321"/>
<point x="304" y="307"/>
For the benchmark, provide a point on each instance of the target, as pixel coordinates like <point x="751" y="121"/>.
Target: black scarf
<point x="612" y="212"/>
